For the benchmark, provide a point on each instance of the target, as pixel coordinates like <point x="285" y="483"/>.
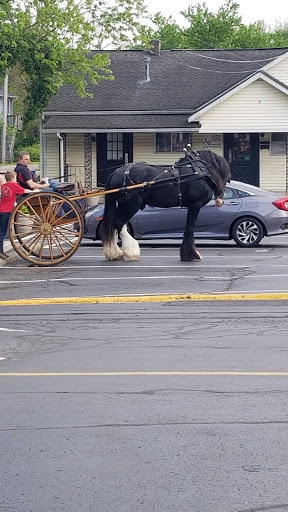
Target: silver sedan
<point x="248" y="214"/>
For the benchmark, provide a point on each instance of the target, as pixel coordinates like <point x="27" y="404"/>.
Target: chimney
<point x="156" y="46"/>
<point x="147" y="69"/>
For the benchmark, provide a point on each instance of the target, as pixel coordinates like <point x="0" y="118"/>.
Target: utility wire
<point x="230" y="60"/>
<point x="211" y="70"/>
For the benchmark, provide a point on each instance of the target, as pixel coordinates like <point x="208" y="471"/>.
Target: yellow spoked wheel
<point x="46" y="228"/>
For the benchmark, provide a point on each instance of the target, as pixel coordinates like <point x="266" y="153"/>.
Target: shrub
<point x="34" y="152"/>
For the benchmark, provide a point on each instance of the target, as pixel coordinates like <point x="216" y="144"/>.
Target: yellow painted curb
<point x="145" y="298"/>
<point x="145" y="374"/>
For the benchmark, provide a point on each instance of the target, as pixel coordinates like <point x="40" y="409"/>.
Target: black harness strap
<point x="175" y="172"/>
<point x="127" y="175"/>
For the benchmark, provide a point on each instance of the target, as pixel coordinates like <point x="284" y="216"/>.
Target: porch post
<point x="65" y="176"/>
<point x="88" y="160"/>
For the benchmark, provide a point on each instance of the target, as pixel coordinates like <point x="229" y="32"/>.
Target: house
<point x="234" y="102"/>
<point x="12" y="124"/>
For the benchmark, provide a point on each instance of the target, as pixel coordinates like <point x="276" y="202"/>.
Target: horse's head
<point x="218" y="168"/>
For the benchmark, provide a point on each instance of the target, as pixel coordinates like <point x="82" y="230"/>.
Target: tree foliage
<point x="206" y="29"/>
<point x="49" y="43"/>
<point x="118" y="24"/>
<point x="211" y="30"/>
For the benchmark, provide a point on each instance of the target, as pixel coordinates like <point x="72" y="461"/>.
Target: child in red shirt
<point x="9" y="191"/>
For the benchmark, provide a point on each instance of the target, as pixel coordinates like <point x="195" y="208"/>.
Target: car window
<point x="229" y="193"/>
<point x="242" y="193"/>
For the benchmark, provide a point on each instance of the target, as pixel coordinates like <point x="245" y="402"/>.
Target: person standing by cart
<point x="9" y="192"/>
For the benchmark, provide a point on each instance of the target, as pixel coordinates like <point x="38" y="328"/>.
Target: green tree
<point x="224" y="29"/>
<point x="168" y="31"/>
<point x="279" y="37"/>
<point x="49" y="43"/>
<point x="119" y="24"/>
<point x="211" y="30"/>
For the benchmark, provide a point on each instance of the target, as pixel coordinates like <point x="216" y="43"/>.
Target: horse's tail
<point x="108" y="231"/>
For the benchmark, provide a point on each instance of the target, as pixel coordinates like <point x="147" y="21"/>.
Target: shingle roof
<point x="124" y="122"/>
<point x="180" y="80"/>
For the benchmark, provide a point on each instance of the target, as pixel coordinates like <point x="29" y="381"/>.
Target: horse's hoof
<point x="196" y="257"/>
<point x="113" y="253"/>
<point x="135" y="258"/>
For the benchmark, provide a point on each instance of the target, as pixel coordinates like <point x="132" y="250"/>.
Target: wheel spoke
<point x="31" y="247"/>
<point x="41" y="208"/>
<point x="65" y="239"/>
<point x="62" y="217"/>
<point x="55" y="211"/>
<point x="41" y="248"/>
<point x="56" y="241"/>
<point x="34" y="211"/>
<point x="49" y="239"/>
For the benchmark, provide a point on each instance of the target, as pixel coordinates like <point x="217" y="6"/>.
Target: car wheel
<point x="247" y="232"/>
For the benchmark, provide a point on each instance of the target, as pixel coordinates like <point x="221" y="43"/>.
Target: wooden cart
<point x="46" y="228"/>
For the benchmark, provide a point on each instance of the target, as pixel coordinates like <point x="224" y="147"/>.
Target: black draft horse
<point x="190" y="182"/>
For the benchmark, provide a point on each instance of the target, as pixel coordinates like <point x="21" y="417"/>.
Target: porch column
<point x="88" y="160"/>
<point x="63" y="135"/>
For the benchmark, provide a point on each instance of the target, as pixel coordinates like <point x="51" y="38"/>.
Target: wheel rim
<point x="42" y="228"/>
<point x="247" y="232"/>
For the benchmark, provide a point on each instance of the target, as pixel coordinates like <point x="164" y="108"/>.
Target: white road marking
<point x="130" y="266"/>
<point x="259" y="276"/>
<point x="13" y="330"/>
<point x="2" y="358"/>
<point x="118" y="278"/>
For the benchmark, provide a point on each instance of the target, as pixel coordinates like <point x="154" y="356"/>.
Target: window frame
<point x="283" y="139"/>
<point x="187" y="136"/>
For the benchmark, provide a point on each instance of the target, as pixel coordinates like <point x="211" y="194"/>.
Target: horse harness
<point x="199" y="171"/>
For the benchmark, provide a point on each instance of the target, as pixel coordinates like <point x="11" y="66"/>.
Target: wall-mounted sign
<point x="212" y="140"/>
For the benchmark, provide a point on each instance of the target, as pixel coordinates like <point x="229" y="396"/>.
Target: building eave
<point x="117" y="130"/>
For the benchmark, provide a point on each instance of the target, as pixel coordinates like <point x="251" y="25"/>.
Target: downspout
<point x="61" y="156"/>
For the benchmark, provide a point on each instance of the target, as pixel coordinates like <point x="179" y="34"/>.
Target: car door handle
<point x="232" y="202"/>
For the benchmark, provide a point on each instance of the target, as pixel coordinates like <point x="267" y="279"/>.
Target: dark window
<point x="278" y="143"/>
<point x="171" y="142"/>
<point x="241" y="149"/>
<point x="114" y="146"/>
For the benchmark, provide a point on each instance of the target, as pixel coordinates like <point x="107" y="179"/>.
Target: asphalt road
<point x="167" y="406"/>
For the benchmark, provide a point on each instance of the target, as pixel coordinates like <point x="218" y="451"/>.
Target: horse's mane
<point x="217" y="166"/>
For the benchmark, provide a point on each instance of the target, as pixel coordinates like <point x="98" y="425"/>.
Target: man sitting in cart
<point x="26" y="178"/>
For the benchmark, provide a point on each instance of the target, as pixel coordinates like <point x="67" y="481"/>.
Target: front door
<point x="242" y="152"/>
<point x="113" y="150"/>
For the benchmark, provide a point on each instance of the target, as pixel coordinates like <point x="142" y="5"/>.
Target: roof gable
<point x="259" y="75"/>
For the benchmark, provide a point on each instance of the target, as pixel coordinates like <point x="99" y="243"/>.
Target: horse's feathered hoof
<point x="130" y="246"/>
<point x="113" y="252"/>
<point x="189" y="255"/>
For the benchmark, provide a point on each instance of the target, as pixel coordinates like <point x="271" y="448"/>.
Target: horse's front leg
<point x="188" y="251"/>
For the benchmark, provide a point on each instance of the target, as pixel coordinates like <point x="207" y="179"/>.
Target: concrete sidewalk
<point x="13" y="256"/>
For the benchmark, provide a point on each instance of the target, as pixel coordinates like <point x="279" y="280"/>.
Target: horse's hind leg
<point x="111" y="250"/>
<point x="130" y="246"/>
<point x="188" y="251"/>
